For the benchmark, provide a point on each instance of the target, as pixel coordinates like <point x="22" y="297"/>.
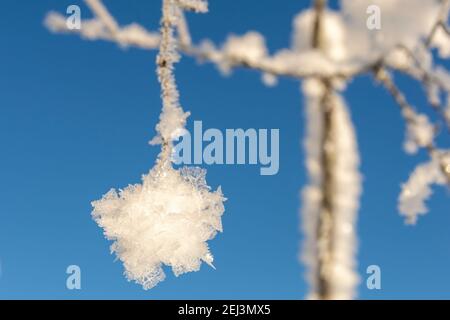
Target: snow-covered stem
<point x="317" y="39"/>
<point x="326" y="220"/>
<point x="325" y="223"/>
<point x="331" y="198"/>
<point x="409" y="114"/>
<point x="329" y="215"/>
<point x="172" y="118"/>
<point x="168" y="56"/>
<point x="184" y="35"/>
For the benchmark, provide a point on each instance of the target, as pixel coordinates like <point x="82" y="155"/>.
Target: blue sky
<point x="75" y="119"/>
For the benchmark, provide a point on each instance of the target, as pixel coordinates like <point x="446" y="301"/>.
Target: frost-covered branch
<point x="434" y="80"/>
<point x="418" y="63"/>
<point x="247" y="51"/>
<point x="328" y="49"/>
<point x="331" y="200"/>
<point x="168" y="219"/>
<point x="94" y="29"/>
<point x="420" y="133"/>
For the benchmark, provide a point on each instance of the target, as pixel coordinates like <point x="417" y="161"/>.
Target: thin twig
<point x="440" y="23"/>
<point x="103" y="14"/>
<point x="408" y="111"/>
<point x="426" y="78"/>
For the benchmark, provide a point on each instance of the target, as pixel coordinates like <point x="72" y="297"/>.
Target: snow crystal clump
<point x="333" y="33"/>
<point x="347" y="40"/>
<point x="420" y="132"/>
<point x="441" y="40"/>
<point x="250" y="47"/>
<point x="167" y="219"/>
<point x="194" y="5"/>
<point x="398" y="26"/>
<point x="419" y="188"/>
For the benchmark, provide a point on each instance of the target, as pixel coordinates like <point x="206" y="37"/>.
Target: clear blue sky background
<point x="75" y="118"/>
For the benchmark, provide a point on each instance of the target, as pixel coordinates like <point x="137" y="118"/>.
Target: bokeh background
<point x="75" y="119"/>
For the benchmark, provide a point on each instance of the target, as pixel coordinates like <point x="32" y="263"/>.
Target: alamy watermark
<point x="373" y="282"/>
<point x="374" y="20"/>
<point x="234" y="146"/>
<point x="73" y="21"/>
<point x="73" y="281"/>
